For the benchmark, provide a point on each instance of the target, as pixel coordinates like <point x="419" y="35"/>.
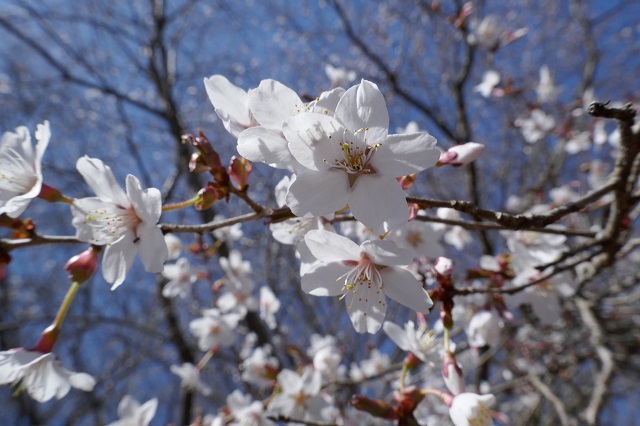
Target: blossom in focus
<point x="131" y="413"/>
<point x="536" y="126"/>
<point x="231" y="104"/>
<point x="190" y="376"/>
<point x="214" y="328"/>
<point x="470" y="409"/>
<point x="20" y="168"/>
<point x="180" y="276"/>
<point x="272" y="103"/>
<point x="362" y="275"/>
<point x="421" y="342"/>
<point x="125" y="222"/>
<point x="350" y="159"/>
<point x="41" y="374"/>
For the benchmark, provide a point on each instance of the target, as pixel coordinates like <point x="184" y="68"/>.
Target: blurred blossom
<point x="260" y="368"/>
<point x="190" y="376"/>
<point x="131" y="413"/>
<point x="269" y="305"/>
<point x="228" y="233"/>
<point x="546" y="89"/>
<point x="484" y="329"/>
<point x="214" y="329"/>
<point x="536" y="126"/>
<point x="339" y="77"/>
<point x="246" y="411"/>
<point x="490" y="79"/>
<point x="300" y="397"/>
<point x="180" y="276"/>
<point x="174" y="245"/>
<point x="420" y="237"/>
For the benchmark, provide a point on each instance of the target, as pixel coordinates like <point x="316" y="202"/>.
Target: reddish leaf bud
<point x="197" y="164"/>
<point x="239" y="170"/>
<point x="47" y="339"/>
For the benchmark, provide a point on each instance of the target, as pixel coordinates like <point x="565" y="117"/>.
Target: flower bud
<point x="239" y="170"/>
<point x="81" y="266"/>
<point x="208" y="195"/>
<point x="197" y="164"/>
<point x="461" y="155"/>
<point x="443" y="266"/>
<point x="452" y="374"/>
<point x="406" y="181"/>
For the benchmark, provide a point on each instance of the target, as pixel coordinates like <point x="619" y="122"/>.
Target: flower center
<point x="483" y="416"/>
<point x="17" y="174"/>
<point x="356" y="153"/>
<point x="361" y="280"/>
<point x="111" y="223"/>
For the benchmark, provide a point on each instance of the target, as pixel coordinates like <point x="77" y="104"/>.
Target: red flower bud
<point x="47" y="339"/>
<point x="81" y="266"/>
<point x="375" y="407"/>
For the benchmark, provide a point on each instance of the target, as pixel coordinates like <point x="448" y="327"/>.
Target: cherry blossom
<point x="363" y="275"/>
<point x="269" y="305"/>
<point x="350" y="159"/>
<point x="41" y="374"/>
<point x="245" y="411"/>
<point x="536" y="126"/>
<point x="231" y="104"/>
<point x="131" y="413"/>
<point x="470" y="409"/>
<point x="190" y="376"/>
<point x="484" y="329"/>
<point x="180" y="277"/>
<point x="490" y="79"/>
<point x="421" y="342"/>
<point x="214" y="328"/>
<point x="260" y="367"/>
<point x="125" y="222"/>
<point x="20" y="168"/>
<point x="461" y="155"/>
<point x="272" y="103"/>
<point x="546" y="90"/>
<point x="300" y="396"/>
<point x="339" y="76"/>
<point x="420" y="237"/>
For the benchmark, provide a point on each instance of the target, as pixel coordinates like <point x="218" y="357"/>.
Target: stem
<point x="181" y="205"/>
<point x="66" y="303"/>
<point x="403" y="374"/>
<point x="205" y="359"/>
<point x="446" y="340"/>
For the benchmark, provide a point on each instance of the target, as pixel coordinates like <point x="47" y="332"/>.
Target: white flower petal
<point x="153" y="248"/>
<point x="400" y="285"/>
<point x="330" y="247"/>
<point x="387" y="253"/>
<point x="322" y="280"/>
<point x="272" y="103"/>
<point x="379" y="202"/>
<point x="266" y="146"/>
<point x="397" y="334"/>
<point x="363" y="106"/>
<point x="311" y="138"/>
<point x="117" y="260"/>
<point x="366" y="307"/>
<point x="405" y="154"/>
<point x="146" y="203"/>
<point x="101" y="180"/>
<point x="318" y="193"/>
